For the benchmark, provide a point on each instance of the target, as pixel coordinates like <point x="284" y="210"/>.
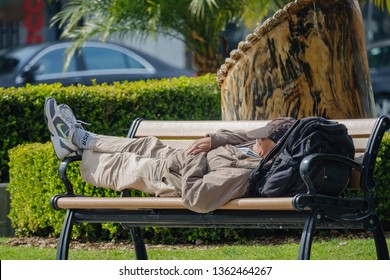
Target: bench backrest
<point x="180" y="134"/>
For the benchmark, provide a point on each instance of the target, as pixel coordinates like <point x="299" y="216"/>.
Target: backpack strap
<point x="259" y="172"/>
<point x="282" y="143"/>
<point x="285" y="156"/>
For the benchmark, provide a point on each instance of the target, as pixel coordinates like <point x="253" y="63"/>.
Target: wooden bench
<point x="307" y="210"/>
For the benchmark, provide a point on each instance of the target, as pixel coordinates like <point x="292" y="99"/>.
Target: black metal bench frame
<point x="311" y="210"/>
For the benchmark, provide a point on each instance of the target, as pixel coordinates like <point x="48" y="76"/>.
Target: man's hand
<point x="199" y="146"/>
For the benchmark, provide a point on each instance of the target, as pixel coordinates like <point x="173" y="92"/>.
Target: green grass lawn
<point x="334" y="249"/>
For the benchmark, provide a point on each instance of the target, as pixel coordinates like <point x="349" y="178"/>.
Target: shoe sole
<point x="50" y="105"/>
<point x="60" y="148"/>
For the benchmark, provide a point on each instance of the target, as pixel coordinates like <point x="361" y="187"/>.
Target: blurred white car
<point x="103" y="62"/>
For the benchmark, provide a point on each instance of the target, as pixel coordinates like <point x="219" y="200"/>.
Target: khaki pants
<point x="122" y="163"/>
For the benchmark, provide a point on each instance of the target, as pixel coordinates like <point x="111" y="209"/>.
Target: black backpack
<point x="277" y="175"/>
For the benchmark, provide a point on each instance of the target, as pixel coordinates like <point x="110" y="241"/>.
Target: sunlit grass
<point x="334" y="249"/>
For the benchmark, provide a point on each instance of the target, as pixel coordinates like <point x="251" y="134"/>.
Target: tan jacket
<point x="209" y="180"/>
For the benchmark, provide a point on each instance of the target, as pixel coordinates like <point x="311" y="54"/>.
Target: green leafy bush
<point x="109" y="108"/>
<point x="382" y="179"/>
<point x="33" y="181"/>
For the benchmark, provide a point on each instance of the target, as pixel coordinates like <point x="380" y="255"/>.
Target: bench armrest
<point x="311" y="164"/>
<point x="62" y="173"/>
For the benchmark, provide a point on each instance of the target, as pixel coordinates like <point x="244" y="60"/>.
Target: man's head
<point x="269" y="135"/>
<point x="274" y="130"/>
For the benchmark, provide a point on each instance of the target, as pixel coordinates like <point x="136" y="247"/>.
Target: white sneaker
<point x="62" y="124"/>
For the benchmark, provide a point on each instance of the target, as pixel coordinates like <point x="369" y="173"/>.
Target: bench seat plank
<point x="139" y="203"/>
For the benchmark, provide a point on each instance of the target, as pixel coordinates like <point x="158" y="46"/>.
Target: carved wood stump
<point x="309" y="59"/>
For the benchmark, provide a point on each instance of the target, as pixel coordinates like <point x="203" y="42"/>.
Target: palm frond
<point x="198" y="7"/>
<point x="382" y="4"/>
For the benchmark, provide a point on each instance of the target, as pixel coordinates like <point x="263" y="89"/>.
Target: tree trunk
<point x="207" y="64"/>
<point x="309" y="59"/>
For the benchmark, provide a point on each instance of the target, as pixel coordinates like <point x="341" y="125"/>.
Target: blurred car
<point x="103" y="62"/>
<point x="378" y="55"/>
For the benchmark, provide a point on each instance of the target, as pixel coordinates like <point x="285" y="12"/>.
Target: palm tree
<point x="307" y="59"/>
<point x="198" y="23"/>
<point x="380" y="3"/>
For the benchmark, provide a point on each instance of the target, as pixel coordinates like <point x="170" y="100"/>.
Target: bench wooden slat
<point x="191" y="129"/>
<point x="139" y="203"/>
<point x="180" y="134"/>
<point x="178" y="144"/>
<point x="357" y="128"/>
<point x="360" y="144"/>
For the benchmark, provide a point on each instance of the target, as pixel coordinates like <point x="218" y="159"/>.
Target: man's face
<point x="263" y="146"/>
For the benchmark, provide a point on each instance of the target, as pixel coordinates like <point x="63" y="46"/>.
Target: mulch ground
<point x="47" y="242"/>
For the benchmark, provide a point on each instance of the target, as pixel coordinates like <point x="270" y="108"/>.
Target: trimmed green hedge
<point x="382" y="179"/>
<point x="109" y="108"/>
<point x="34" y="180"/>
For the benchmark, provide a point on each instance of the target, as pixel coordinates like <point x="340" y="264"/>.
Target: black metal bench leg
<point x="66" y="232"/>
<point x="136" y="233"/>
<point x="307" y="236"/>
<point x="139" y="244"/>
<point x="373" y="224"/>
